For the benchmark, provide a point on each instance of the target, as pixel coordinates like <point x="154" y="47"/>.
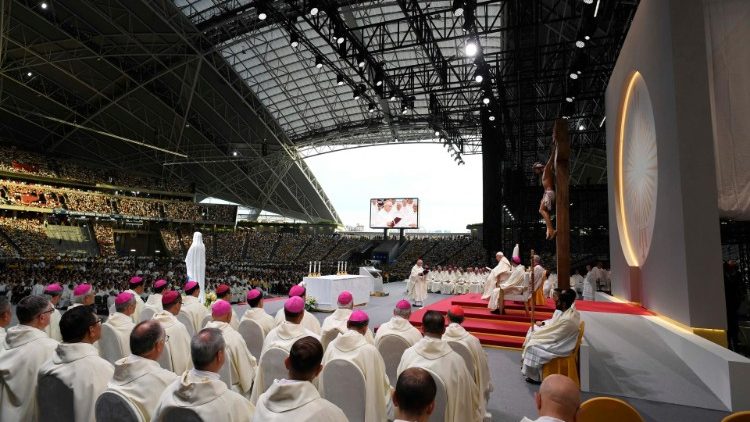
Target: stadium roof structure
<point x="233" y="94"/>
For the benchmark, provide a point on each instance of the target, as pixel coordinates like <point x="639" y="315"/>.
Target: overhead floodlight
<point x="471" y="48"/>
<point x="371" y="108"/>
<point x="437" y="133"/>
<point x="478" y="78"/>
<point x="581" y="127"/>
<point x="586" y="37"/>
<point x="339" y="79"/>
<point x="486" y="100"/>
<point x="314" y="11"/>
<point x="573" y="75"/>
<point x="235" y="153"/>
<point x="570" y="99"/>
<point x="262" y="15"/>
<point x="294" y="40"/>
<point x="588" y="1"/>
<point x="44" y="5"/>
<point x="361" y="61"/>
<point x="580" y="43"/>
<point x="393" y="97"/>
<point x="492" y="118"/>
<point x="457" y="7"/>
<point x="318" y="62"/>
<point x="356" y="94"/>
<point x="29" y="74"/>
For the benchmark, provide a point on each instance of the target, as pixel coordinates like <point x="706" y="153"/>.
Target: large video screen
<point x="394" y="213"/>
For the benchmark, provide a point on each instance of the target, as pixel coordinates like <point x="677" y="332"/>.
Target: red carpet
<point x="509" y="329"/>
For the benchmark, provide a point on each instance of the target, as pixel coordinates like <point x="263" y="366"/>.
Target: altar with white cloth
<point x="326" y="289"/>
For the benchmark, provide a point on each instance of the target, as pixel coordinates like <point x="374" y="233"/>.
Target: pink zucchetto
<point x="169" y="297"/>
<point x="190" y="285"/>
<point x="253" y="294"/>
<point x="82" y="289"/>
<point x="220" y="308"/>
<point x="345" y="298"/>
<point x="53" y="288"/>
<point x="296" y="290"/>
<point x="159" y="284"/>
<point x="359" y="316"/>
<point x="136" y="280"/>
<point x="123" y="297"/>
<point x="403" y="304"/>
<point x="517" y="260"/>
<point x="222" y="289"/>
<point x="294" y="305"/>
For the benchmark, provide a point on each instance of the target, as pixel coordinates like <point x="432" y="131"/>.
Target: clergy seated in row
<point x="242" y="363"/>
<point x="5" y="318"/>
<point x="136" y="287"/>
<point x="27" y="348"/>
<point x="308" y="321"/>
<point x="557" y="400"/>
<point x="436" y="355"/>
<point x="256" y="313"/>
<point x="83" y="295"/>
<point x="455" y="333"/>
<point x="54" y="294"/>
<point x="191" y="306"/>
<point x="200" y="389"/>
<point x="121" y="325"/>
<point x="498" y="274"/>
<point x="179" y="338"/>
<point x="296" y="398"/>
<point x="513" y="285"/>
<point x="414" y="396"/>
<point x="282" y="337"/>
<point x="551" y="339"/>
<point x="353" y="347"/>
<point x="224" y="292"/>
<point x="154" y="300"/>
<point x="399" y="325"/>
<point x="76" y="362"/>
<point x="138" y="377"/>
<point x="336" y="323"/>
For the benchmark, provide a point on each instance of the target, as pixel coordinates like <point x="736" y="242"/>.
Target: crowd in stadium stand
<point x="229" y="245"/>
<point x="319" y="247"/>
<point x="174" y="244"/>
<point x="259" y="246"/>
<point x="29" y="235"/>
<point x="288" y="247"/>
<point x="105" y="239"/>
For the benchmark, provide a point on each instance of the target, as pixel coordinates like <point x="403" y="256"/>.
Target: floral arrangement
<point x="210" y="299"/>
<point x="311" y="304"/>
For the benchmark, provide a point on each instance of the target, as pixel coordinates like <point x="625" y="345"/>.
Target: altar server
<point x="352" y="347"/>
<point x="54" y="292"/>
<point x="136" y="288"/>
<point x="28" y="347"/>
<point x="399" y="325"/>
<point x="76" y="362"/>
<point x="308" y="320"/>
<point x="456" y="333"/>
<point x="256" y="312"/>
<point x="500" y="273"/>
<point x="224" y="292"/>
<point x="122" y="325"/>
<point x="154" y="300"/>
<point x="243" y="364"/>
<point x="179" y="338"/>
<point x="296" y="398"/>
<point x="419" y="280"/>
<point x="192" y="307"/>
<point x="335" y="324"/>
<point x="434" y="354"/>
<point x="201" y="390"/>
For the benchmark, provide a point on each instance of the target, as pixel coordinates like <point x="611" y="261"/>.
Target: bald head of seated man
<point x="558" y="399"/>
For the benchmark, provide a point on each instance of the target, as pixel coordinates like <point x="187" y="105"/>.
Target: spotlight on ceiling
<point x="379" y="78"/>
<point x="29" y="74"/>
<point x="437" y="133"/>
<point x="294" y="40"/>
<point x="581" y="127"/>
<point x="588" y="1"/>
<point x="573" y="75"/>
<point x="570" y="99"/>
<point x="318" y="62"/>
<point x="235" y="153"/>
<point x="457" y="7"/>
<point x="339" y="79"/>
<point x="471" y="48"/>
<point x="262" y="15"/>
<point x="586" y="37"/>
<point x="361" y="61"/>
<point x="356" y="94"/>
<point x="371" y="108"/>
<point x="486" y="100"/>
<point x="580" y="43"/>
<point x="492" y="118"/>
<point x="479" y="78"/>
<point x="44" y="5"/>
<point x="393" y="97"/>
<point x="314" y="11"/>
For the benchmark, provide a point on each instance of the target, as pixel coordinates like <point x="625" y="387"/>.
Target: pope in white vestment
<point x="436" y="356"/>
<point x="27" y="349"/>
<point x="142" y="381"/>
<point x="500" y="273"/>
<point x="354" y="348"/>
<point x="456" y="333"/>
<point x="418" y="278"/>
<point x="243" y="363"/>
<point x="514" y="285"/>
<point x="205" y="394"/>
<point x="179" y="341"/>
<point x="298" y="401"/>
<point x="79" y="367"/>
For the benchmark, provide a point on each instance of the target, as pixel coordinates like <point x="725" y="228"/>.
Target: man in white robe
<point x="178" y="344"/>
<point x="456" y="333"/>
<point x="500" y="273"/>
<point x="224" y="292"/>
<point x="201" y="390"/>
<point x="354" y="348"/>
<point x="558" y="399"/>
<point x="309" y="320"/>
<point x="195" y="264"/>
<point x="557" y="339"/>
<point x="121" y="324"/>
<point x="83" y="295"/>
<point x="5" y="318"/>
<point x="435" y="355"/>
<point x="243" y="363"/>
<point x="76" y="362"/>
<point x="138" y="377"/>
<point x="283" y="337"/>
<point x="418" y="277"/>
<point x="399" y="325"/>
<point x="414" y="395"/>
<point x="193" y="308"/>
<point x="336" y="323"/>
<point x="256" y="313"/>
<point x="514" y="285"/>
<point x="154" y="300"/>
<point x="28" y="347"/>
<point x="136" y="288"/>
<point x="296" y="398"/>
<point x="54" y="293"/>
<point x="576" y="281"/>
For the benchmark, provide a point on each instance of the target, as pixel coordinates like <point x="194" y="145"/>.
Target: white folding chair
<point x="114" y="407"/>
<point x="180" y="414"/>
<point x="391" y="347"/>
<point x="465" y="354"/>
<point x="328" y="337"/>
<point x="110" y="348"/>
<point x="253" y="336"/>
<point x="272" y="365"/>
<point x="165" y="359"/>
<point x="146" y="314"/>
<point x="206" y="320"/>
<point x="225" y="372"/>
<point x="54" y="399"/>
<point x="441" y="400"/>
<point x="185" y="320"/>
<point x="346" y="395"/>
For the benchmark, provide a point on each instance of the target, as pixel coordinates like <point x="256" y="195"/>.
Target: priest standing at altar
<point x="500" y="273"/>
<point x="419" y="280"/>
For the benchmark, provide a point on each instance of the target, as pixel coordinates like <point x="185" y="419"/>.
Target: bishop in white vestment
<point x="243" y="364"/>
<point x="122" y="325"/>
<point x="399" y="325"/>
<point x="309" y="320"/>
<point x="256" y="312"/>
<point x="192" y="307"/>
<point x="179" y="338"/>
<point x="54" y="291"/>
<point x="419" y="279"/>
<point x="153" y="302"/>
<point x="136" y="288"/>
<point x="335" y="323"/>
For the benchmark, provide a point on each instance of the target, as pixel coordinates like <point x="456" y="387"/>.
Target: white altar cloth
<point x="326" y="289"/>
